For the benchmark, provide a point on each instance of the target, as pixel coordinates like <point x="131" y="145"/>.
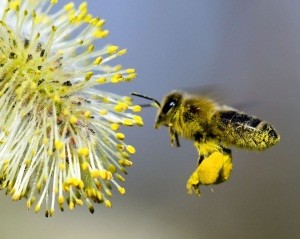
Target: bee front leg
<point x="174" y="137"/>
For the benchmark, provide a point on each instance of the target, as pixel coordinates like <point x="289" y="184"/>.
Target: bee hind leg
<point x="212" y="169"/>
<point x="227" y="166"/>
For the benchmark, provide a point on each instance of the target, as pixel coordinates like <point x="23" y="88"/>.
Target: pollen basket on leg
<point x="61" y="138"/>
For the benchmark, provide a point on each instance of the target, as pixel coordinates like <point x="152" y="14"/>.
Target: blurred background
<point x="251" y="49"/>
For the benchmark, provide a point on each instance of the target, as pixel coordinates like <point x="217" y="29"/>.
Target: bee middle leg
<point x="174" y="137"/>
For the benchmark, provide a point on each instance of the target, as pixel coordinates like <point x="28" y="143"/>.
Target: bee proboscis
<point x="213" y="128"/>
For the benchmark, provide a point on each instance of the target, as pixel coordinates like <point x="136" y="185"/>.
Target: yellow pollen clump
<point x="58" y="144"/>
<point x="103" y="112"/>
<point x="114" y="126"/>
<point x="125" y="162"/>
<point x="98" y="60"/>
<point x="83" y="152"/>
<point x="136" y="108"/>
<point x="112" y="49"/>
<point x="79" y="202"/>
<point x="95" y="173"/>
<point x="62" y="166"/>
<point x="100" y="23"/>
<point x="117" y="78"/>
<point x="91" y="48"/>
<point x="60" y="200"/>
<point x="122" y="52"/>
<point x="127" y="122"/>
<point x="121" y="106"/>
<point x="87" y="114"/>
<point x="37" y="208"/>
<point x="130" y="70"/>
<point x="101" y="80"/>
<point x="120" y="147"/>
<point x="131" y="76"/>
<point x="117" y="67"/>
<point x="66" y="112"/>
<point x="88" y="75"/>
<point x="56" y="98"/>
<point x="84" y="166"/>
<point x="69" y="6"/>
<point x="119" y="177"/>
<point x="120" y="136"/>
<point x="71" y="205"/>
<point x="121" y="190"/>
<point x="100" y="33"/>
<point x="73" y="119"/>
<point x="107" y="203"/>
<point x="105" y="174"/>
<point x="112" y="168"/>
<point x="130" y="149"/>
<point x="138" y="120"/>
<point x="45" y="141"/>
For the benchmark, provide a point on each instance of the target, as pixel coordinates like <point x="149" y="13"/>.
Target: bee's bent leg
<point x="174" y="137"/>
<point x="227" y="166"/>
<point x="200" y="159"/>
<point x="193" y="184"/>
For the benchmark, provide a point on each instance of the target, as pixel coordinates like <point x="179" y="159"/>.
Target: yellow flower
<point x="56" y="142"/>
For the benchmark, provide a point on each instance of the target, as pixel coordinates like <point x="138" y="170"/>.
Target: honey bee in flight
<point x="213" y="128"/>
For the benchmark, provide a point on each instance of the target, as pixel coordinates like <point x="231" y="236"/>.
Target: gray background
<point x="249" y="49"/>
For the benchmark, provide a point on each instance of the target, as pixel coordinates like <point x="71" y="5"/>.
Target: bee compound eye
<point x="169" y="105"/>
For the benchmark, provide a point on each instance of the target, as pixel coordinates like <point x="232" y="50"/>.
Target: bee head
<point x="168" y="108"/>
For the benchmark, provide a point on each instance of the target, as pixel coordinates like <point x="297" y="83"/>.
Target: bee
<point x="213" y="128"/>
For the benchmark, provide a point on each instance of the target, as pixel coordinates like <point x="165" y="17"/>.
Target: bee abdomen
<point x="243" y="130"/>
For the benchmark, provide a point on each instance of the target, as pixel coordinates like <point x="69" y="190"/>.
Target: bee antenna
<point x="146" y="97"/>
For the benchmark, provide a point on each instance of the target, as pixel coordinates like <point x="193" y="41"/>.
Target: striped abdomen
<point x="242" y="130"/>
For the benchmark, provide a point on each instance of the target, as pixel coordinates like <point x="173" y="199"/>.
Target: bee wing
<point x="218" y="93"/>
<point x="213" y="91"/>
